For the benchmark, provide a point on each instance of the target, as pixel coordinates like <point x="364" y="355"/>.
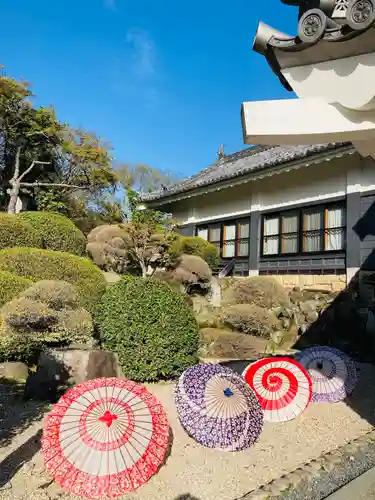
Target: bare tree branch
<point x="32" y="166"/>
<point x="51" y="184"/>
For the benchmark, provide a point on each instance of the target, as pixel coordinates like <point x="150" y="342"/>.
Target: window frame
<point x="237" y="240"/>
<point x="300" y="211"/>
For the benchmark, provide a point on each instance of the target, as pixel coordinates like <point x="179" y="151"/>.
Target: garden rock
<point x="16" y="371"/>
<point x="312" y="316"/>
<point x="61" y="368"/>
<point x="309" y="306"/>
<point x="111" y="277"/>
<point x="215" y="294"/>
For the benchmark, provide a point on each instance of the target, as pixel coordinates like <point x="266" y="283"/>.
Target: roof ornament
<point x="333" y="20"/>
<point x="318" y="21"/>
<point x="220" y="153"/>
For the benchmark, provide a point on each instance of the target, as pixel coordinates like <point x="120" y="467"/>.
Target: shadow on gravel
<point x="15" y="413"/>
<point x="348" y="323"/>
<point x="15" y="460"/>
<point x="187" y="496"/>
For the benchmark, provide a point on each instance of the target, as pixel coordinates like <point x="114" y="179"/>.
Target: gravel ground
<point x="193" y="472"/>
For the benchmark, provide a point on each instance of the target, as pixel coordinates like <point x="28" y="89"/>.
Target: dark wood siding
<point x="366" y="231"/>
<point x="316" y="264"/>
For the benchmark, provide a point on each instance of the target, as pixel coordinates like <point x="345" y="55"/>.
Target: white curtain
<point x="243" y="237"/>
<point x="203" y="233"/>
<point x="312" y="225"/>
<point x="290" y="234"/>
<point x="271" y="236"/>
<point x="229" y="243"/>
<point x="215" y="234"/>
<point x="335" y="230"/>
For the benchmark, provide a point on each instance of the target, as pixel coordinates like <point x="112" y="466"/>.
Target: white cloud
<point x="135" y="72"/>
<point x="142" y="52"/>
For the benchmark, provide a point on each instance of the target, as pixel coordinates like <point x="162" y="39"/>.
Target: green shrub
<point x="106" y="246"/>
<point x="192" y="272"/>
<point x="56" y="232"/>
<point x="150" y="327"/>
<point x="37" y="320"/>
<point x="250" y="319"/>
<point x="194" y="245"/>
<point x="37" y="264"/>
<point x="11" y="285"/>
<point x="227" y="344"/>
<point x="56" y="294"/>
<point x="263" y="291"/>
<point x="15" y="232"/>
<point x="18" y="348"/>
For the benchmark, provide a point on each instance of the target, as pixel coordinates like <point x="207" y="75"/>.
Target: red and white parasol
<point x="283" y="387"/>
<point x="105" y="437"/>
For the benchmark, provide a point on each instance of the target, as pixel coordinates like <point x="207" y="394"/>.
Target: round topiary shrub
<point x="11" y="285"/>
<point x="194" y="245"/>
<point x="193" y="273"/>
<point x="250" y="319"/>
<point x="107" y="248"/>
<point x="37" y="264"/>
<point x="263" y="291"/>
<point x="46" y="314"/>
<point x="150" y="327"/>
<point x="57" y="294"/>
<point x="16" y="232"/>
<point x="56" y="232"/>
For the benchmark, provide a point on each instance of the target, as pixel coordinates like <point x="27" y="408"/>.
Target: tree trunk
<point x="144" y="269"/>
<point x="13" y="196"/>
<point x="15" y="184"/>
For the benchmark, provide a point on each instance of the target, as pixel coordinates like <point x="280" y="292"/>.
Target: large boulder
<point x="14" y="371"/>
<point x="60" y="368"/>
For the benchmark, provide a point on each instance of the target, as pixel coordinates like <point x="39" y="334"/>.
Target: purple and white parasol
<point x="217" y="408"/>
<point x="332" y="372"/>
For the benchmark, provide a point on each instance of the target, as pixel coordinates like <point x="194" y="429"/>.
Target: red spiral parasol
<point x="105" y="437"/>
<point x="283" y="387"/>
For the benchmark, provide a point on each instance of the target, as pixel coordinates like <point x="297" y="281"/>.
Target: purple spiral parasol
<point x="332" y="372"/>
<point x="217" y="408"/>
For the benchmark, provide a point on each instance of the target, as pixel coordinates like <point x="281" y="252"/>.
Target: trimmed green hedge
<point x="11" y="286"/>
<point x="37" y="264"/>
<point x="56" y="232"/>
<point x="194" y="245"/>
<point x="150" y="327"/>
<point x="16" y="232"/>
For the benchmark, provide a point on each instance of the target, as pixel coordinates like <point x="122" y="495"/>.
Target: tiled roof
<point x="247" y="161"/>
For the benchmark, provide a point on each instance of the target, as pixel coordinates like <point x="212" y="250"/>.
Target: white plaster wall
<point x="351" y="173"/>
<point x="309" y="184"/>
<point x="223" y="203"/>
<point x="367" y="174"/>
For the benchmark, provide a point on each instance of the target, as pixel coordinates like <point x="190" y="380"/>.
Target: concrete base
<point x="350" y="273"/>
<point x="253" y="272"/>
<point x="362" y="488"/>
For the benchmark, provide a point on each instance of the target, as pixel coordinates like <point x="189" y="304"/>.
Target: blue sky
<point x="162" y="80"/>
